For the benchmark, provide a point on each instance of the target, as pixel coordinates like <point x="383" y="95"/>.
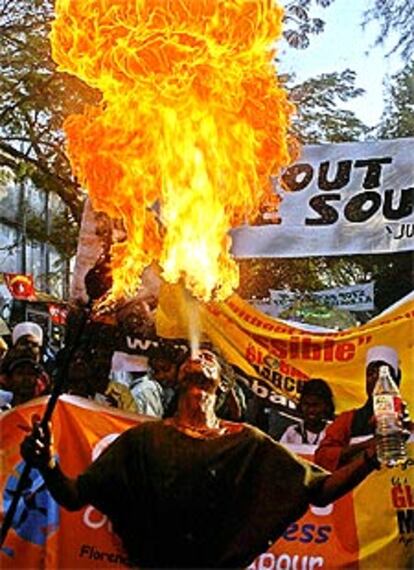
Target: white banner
<point x="346" y="198"/>
<point x="351" y="298"/>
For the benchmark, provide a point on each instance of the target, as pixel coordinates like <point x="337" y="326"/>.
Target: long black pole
<point x="51" y="404"/>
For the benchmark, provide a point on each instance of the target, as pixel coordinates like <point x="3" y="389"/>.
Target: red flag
<point x="58" y="313"/>
<point x="20" y="286"/>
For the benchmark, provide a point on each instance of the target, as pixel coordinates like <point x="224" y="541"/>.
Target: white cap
<point x="383" y="354"/>
<point x="27" y="328"/>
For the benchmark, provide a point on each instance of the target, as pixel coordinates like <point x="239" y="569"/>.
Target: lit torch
<point x="192" y="119"/>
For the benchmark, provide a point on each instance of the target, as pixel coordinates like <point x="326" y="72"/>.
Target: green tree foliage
<point x="299" y="24"/>
<point x="398" y="117"/>
<point x="257" y="276"/>
<point x="34" y="100"/>
<point x="392" y="274"/>
<point x="396" y="19"/>
<point x="319" y="118"/>
<point x="300" y="274"/>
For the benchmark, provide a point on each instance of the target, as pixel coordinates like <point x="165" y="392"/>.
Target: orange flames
<point x="191" y="125"/>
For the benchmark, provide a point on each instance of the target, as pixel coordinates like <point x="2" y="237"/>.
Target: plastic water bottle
<point x="391" y="448"/>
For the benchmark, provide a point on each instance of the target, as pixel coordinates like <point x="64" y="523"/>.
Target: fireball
<point x="191" y="125"/>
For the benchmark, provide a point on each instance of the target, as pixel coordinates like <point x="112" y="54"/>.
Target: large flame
<point x="191" y="125"/>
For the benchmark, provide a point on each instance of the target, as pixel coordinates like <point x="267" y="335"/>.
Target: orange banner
<point x="44" y="535"/>
<point x="325" y="537"/>
<point x="370" y="528"/>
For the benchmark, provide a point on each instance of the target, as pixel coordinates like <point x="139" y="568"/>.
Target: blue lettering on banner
<point x="307" y="533"/>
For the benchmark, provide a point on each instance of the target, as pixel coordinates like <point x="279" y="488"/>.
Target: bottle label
<point x="386" y="404"/>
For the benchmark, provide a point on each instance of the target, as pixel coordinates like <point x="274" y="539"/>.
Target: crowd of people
<point x="149" y="386"/>
<point x="202" y="397"/>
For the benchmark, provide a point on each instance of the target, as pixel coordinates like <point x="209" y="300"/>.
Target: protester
<point x="151" y="380"/>
<point x="316" y="407"/>
<point x="147" y="394"/>
<point x="48" y="357"/>
<point x="27" y="339"/>
<point x="158" y="397"/>
<point x="27" y="342"/>
<point x="337" y="447"/>
<point x="6" y="399"/>
<point x="179" y="492"/>
<point x="24" y="379"/>
<point x="88" y="377"/>
<point x="163" y="368"/>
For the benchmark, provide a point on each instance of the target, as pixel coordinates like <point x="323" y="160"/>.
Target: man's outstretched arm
<point x="344" y="479"/>
<point x="37" y="451"/>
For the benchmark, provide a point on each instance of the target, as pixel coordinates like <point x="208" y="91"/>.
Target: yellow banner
<point x="277" y="357"/>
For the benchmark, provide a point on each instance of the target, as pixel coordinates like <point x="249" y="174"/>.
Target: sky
<point x="345" y="44"/>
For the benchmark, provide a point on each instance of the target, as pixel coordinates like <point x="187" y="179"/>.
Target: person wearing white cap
<point x="25" y="358"/>
<point x="338" y="446"/>
<point x="27" y="339"/>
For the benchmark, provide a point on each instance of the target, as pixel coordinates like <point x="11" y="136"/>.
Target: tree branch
<point x="68" y="190"/>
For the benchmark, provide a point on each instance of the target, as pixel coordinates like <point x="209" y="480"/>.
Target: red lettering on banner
<point x="402" y="496"/>
<point x="306" y="348"/>
<point x="278" y="348"/>
<point x="312" y="350"/>
<point x="256" y="321"/>
<point x="294" y="347"/>
<point x="253" y="355"/>
<point x="345" y="352"/>
<point x="364" y="339"/>
<point x="407" y="316"/>
<point x="250" y="354"/>
<point x="214" y="310"/>
<point x="277" y="328"/>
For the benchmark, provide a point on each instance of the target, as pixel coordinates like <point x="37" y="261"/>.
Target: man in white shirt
<point x="317" y="408"/>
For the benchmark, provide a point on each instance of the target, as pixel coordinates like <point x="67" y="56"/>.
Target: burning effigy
<point x="191" y="124"/>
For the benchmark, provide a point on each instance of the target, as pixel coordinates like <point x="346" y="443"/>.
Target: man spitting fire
<point x="194" y="491"/>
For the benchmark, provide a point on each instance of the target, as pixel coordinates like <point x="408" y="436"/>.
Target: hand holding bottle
<point x="406" y="421"/>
